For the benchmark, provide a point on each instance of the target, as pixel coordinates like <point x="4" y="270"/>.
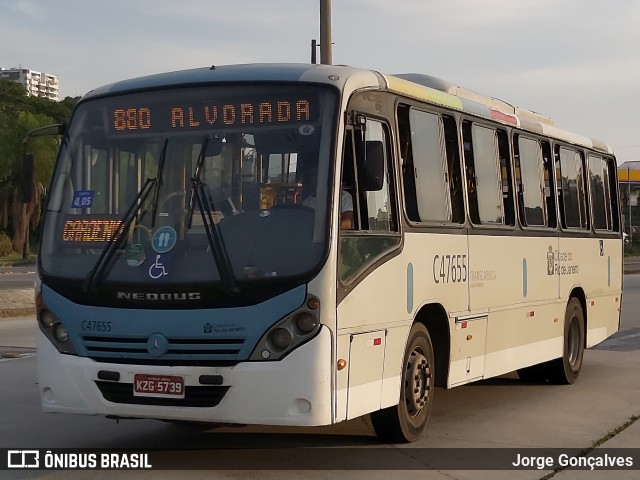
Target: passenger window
<point x="571" y="188"/>
<point x="430" y="166"/>
<point x="531" y="182"/>
<point x="600" y="193"/>
<point x="488" y="176"/>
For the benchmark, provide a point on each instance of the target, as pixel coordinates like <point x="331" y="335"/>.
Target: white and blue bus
<point x="306" y="244"/>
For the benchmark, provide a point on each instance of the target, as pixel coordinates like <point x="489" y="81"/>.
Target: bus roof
<point x="422" y="87"/>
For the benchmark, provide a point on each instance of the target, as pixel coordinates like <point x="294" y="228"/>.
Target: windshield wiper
<point x="214" y="235"/>
<point x="99" y="269"/>
<point x="196" y="177"/>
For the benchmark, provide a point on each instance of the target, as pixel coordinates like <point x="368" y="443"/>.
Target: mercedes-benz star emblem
<point x="157" y="345"/>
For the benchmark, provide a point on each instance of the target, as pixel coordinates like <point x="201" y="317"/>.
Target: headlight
<point x="54" y="330"/>
<point x="281" y="338"/>
<point x="305" y="322"/>
<point x="60" y="333"/>
<point x="289" y="333"/>
<point x="47" y="319"/>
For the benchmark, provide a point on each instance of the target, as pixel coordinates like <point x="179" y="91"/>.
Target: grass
<point x="632" y="249"/>
<point x="16" y="259"/>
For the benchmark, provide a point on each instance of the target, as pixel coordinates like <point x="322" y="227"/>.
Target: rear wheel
<point x="405" y="422"/>
<point x="564" y="370"/>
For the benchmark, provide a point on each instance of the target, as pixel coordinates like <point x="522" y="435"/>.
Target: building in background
<point x="38" y="84"/>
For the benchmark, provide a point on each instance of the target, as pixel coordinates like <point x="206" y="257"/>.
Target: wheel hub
<point x="573" y="340"/>
<point x="418" y="382"/>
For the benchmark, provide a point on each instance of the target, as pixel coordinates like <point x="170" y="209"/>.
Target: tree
<point x="18" y="115"/>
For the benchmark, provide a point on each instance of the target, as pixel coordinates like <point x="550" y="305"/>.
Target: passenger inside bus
<point x="310" y="182"/>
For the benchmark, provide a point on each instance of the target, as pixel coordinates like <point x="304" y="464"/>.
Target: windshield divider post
<point x="159" y="182"/>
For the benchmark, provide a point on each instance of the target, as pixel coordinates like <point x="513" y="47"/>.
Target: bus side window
<point x="610" y="180"/>
<point x="531" y="181"/>
<point x="348" y="181"/>
<point x="455" y="169"/>
<point x="603" y="195"/>
<point x="431" y="171"/>
<point x="550" y="197"/>
<point x="373" y="176"/>
<point x="408" y="170"/>
<point x="430" y="168"/>
<point x="484" y="176"/>
<point x="505" y="177"/>
<point x="571" y="186"/>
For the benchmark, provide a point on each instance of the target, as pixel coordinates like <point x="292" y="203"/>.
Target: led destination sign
<point x="139" y="118"/>
<point x="89" y="230"/>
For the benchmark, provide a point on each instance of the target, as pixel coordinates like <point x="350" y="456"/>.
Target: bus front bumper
<point x="293" y="391"/>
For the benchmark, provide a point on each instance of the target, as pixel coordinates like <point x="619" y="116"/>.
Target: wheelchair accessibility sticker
<point x="157" y="269"/>
<point x="164" y="239"/>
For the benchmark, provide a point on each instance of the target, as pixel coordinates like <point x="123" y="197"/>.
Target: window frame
<point x="517" y="160"/>
<point x="447" y="159"/>
<point x="557" y="147"/>
<point x="496" y="128"/>
<point x="604" y="174"/>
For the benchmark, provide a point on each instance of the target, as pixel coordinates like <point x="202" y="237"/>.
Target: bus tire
<point x="406" y="421"/>
<point x="563" y="370"/>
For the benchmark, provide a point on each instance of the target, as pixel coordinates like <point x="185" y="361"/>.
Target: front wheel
<point x="405" y="422"/>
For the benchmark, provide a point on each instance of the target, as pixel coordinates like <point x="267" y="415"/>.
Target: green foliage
<point x="633" y="248"/>
<point x="19" y="114"/>
<point x="5" y="245"/>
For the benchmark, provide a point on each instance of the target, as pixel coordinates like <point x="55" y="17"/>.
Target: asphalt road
<point x="497" y="413"/>
<point x="17" y="277"/>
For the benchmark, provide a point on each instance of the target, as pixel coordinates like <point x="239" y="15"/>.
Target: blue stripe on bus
<point x="195" y="335"/>
<point x="409" y="287"/>
<point x="524" y="277"/>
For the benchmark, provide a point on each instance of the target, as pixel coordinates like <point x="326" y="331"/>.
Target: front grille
<point x="181" y="351"/>
<point x="194" y="396"/>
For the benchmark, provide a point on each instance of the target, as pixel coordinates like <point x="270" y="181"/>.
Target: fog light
<point x="281" y="338"/>
<point x="60" y="333"/>
<point x="47" y="319"/>
<point x="306" y="322"/>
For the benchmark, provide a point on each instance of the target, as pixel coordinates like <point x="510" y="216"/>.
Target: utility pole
<point x="325" y="32"/>
<point x="629" y="199"/>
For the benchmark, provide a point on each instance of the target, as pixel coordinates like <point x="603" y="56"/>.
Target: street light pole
<point x="325" y="32"/>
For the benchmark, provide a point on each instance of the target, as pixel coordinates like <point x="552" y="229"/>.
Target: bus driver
<point x="346" y="202"/>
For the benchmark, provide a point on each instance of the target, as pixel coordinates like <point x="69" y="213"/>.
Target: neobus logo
<point x="158" y="297"/>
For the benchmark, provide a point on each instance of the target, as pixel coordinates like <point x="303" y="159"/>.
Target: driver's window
<point x="367" y="178"/>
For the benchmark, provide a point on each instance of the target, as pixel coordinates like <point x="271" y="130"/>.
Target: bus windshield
<point x="198" y="185"/>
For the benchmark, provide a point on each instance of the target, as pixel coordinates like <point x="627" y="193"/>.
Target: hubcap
<point x="417" y="382"/>
<point x="573" y="341"/>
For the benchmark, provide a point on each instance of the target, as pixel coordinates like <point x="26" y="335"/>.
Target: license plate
<point x="167" y="386"/>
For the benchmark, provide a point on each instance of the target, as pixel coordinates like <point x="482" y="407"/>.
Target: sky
<point x="576" y="61"/>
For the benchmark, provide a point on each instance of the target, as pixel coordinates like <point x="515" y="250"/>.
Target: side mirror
<point x="373" y="168"/>
<point x="25" y="186"/>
